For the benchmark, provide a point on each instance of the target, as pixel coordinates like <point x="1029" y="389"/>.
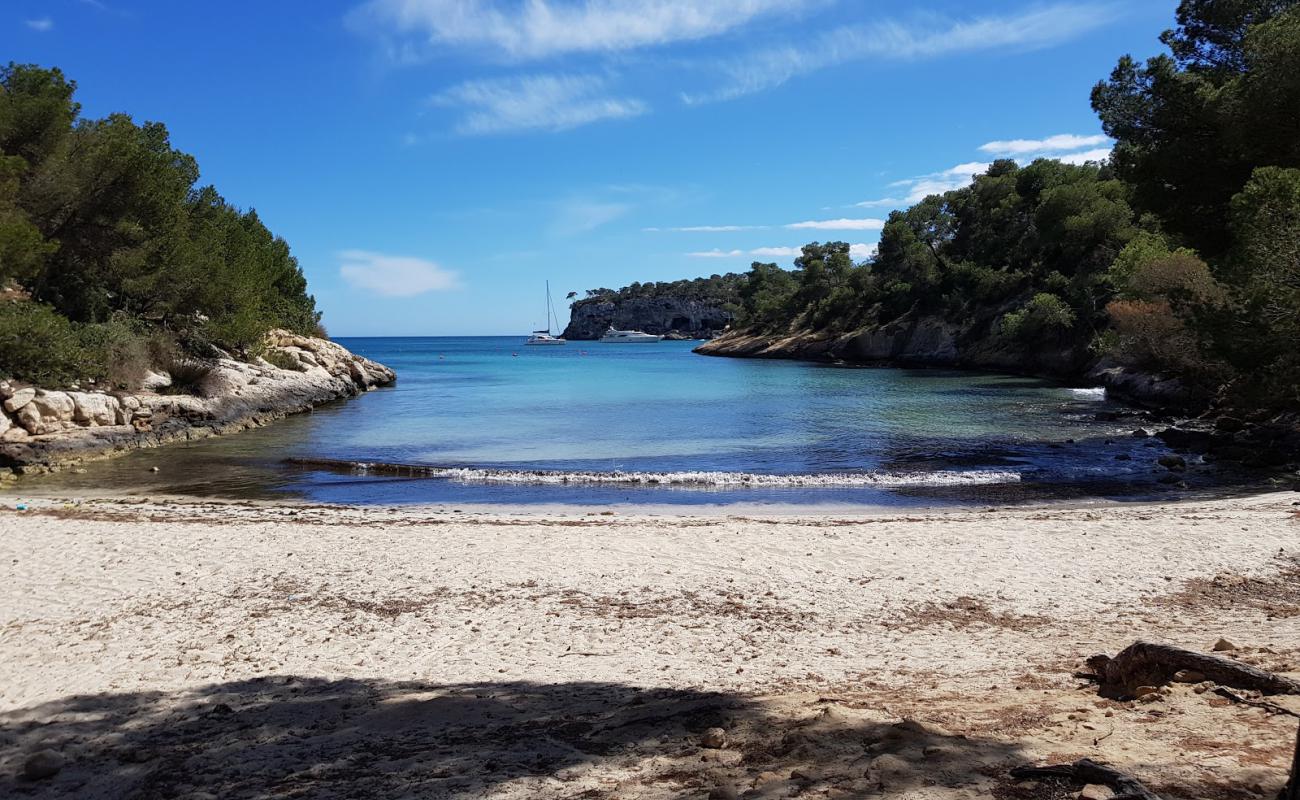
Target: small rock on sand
<point x="714" y="738"/>
<point x="1223" y="645"/>
<point x="42" y="764"/>
<point x="1095" y="791"/>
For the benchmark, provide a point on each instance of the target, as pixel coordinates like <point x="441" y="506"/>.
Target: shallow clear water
<point x="591" y="423"/>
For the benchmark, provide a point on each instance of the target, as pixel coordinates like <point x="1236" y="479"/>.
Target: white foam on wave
<point x="729" y="479"/>
<point x="1093" y="393"/>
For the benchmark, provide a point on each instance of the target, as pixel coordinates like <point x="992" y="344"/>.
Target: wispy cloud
<point x="859" y="252"/>
<point x="884" y="202"/>
<point x="1060" y="143"/>
<point x="708" y="229"/>
<point x="839" y="225"/>
<point x="535" y="102"/>
<point x="923" y="186"/>
<point x="534" y="29"/>
<point x="394" y="276"/>
<point x="40" y="25"/>
<point x="929" y="36"/>
<point x="578" y="216"/>
<point x="715" y="253"/>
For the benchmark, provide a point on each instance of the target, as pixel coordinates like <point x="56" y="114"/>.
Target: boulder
<point x="19" y="398"/>
<point x="5" y="424"/>
<point x="94" y="409"/>
<point x="222" y="382"/>
<point x="47" y="412"/>
<point x="153" y="381"/>
<point x="1172" y="463"/>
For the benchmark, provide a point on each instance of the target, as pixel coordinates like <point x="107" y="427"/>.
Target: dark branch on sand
<point x="1086" y="770"/>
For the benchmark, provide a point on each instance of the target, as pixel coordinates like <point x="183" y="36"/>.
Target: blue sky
<point x="432" y="162"/>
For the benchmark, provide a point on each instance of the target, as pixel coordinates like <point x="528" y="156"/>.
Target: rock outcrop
<point x="665" y="316"/>
<point x="42" y="429"/>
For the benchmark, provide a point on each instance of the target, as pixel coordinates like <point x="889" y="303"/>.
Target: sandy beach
<point x="205" y="649"/>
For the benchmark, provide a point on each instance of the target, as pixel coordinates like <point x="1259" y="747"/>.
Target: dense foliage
<point x="109" y="251"/>
<point x="721" y="290"/>
<point x="1033" y="243"/>
<point x="1181" y="255"/>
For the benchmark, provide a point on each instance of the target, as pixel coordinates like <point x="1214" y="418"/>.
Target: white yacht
<point x="545" y="337"/>
<point x="613" y="336"/>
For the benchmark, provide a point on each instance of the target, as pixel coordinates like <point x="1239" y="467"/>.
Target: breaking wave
<point x="702" y="479"/>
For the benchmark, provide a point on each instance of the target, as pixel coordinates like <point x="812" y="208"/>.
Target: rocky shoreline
<point x="45" y="430"/>
<point x="1187" y="422"/>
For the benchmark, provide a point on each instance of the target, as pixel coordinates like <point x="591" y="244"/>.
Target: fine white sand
<point x="976" y="618"/>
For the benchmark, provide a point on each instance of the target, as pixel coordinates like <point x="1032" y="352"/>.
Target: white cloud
<point x="712" y="228"/>
<point x="839" y="225"/>
<point x="394" y="276"/>
<point x="933" y="37"/>
<point x="776" y="252"/>
<point x="1060" y="143"/>
<point x="715" y="253"/>
<point x="40" y="25"/>
<point x="535" y="102"/>
<point x="884" y="202"/>
<point x="923" y="186"/>
<point x="532" y="29"/>
<point x="859" y="252"/>
<point x="1100" y="154"/>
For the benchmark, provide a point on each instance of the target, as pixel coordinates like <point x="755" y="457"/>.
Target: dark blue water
<point x="594" y="423"/>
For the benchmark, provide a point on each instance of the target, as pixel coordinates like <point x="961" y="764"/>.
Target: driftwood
<point x="1151" y="664"/>
<point x="1085" y="770"/>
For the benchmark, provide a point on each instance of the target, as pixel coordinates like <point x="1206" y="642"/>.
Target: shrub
<point x="1044" y="316"/>
<point x="187" y="374"/>
<point x="39" y="345"/>
<point x="281" y="359"/>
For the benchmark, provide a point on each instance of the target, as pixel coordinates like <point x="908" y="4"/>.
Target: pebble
<point x="1223" y="645"/>
<point x="1095" y="791"/>
<point x="42" y="764"/>
<point x="714" y="739"/>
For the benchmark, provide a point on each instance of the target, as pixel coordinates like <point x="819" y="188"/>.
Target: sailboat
<point x="545" y="337"/>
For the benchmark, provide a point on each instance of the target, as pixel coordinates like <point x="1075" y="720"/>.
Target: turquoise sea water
<point x="592" y="423"/>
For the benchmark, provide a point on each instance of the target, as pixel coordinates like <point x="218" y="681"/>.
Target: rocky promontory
<point x="44" y="429"/>
<point x="935" y="342"/>
<point x="664" y="316"/>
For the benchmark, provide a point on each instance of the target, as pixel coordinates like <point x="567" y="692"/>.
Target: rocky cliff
<point x="687" y="319"/>
<point x="932" y="341"/>
<point x="44" y="429"/>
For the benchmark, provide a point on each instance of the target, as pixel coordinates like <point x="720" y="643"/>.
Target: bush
<point x="39" y="345"/>
<point x="1045" y="316"/>
<point x="1150" y="334"/>
<point x="187" y="374"/>
<point x="281" y="359"/>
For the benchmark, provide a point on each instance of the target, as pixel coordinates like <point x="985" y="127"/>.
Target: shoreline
<point x="47" y="430"/>
<point x="222" y="647"/>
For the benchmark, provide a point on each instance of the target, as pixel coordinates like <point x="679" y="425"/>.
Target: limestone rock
<point x="1095" y="791"/>
<point x="19" y="398"/>
<point x="153" y="381"/>
<point x="94" y="409"/>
